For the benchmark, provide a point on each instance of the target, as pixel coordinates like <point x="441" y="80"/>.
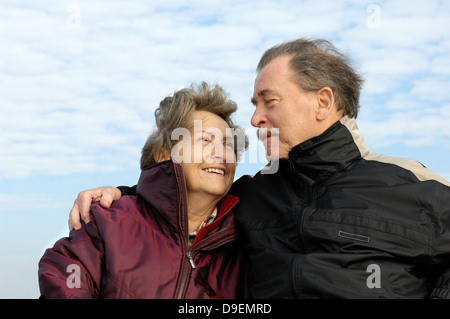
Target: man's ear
<point x="325" y="103"/>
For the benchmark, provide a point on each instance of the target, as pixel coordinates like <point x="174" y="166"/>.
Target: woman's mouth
<point x="215" y="170"/>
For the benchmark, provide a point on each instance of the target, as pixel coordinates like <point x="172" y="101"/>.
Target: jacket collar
<point x="163" y="188"/>
<point x="331" y="152"/>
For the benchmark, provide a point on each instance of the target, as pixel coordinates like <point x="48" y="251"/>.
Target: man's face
<point x="281" y="103"/>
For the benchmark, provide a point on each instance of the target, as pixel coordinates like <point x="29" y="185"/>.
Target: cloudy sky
<point x="80" y="80"/>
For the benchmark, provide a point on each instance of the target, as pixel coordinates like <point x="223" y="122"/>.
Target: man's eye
<point x="270" y="102"/>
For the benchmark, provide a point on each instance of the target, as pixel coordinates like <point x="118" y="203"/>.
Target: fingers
<point x="106" y="200"/>
<point x="109" y="194"/>
<point x="74" y="218"/>
<point x="84" y="201"/>
<point x="81" y="207"/>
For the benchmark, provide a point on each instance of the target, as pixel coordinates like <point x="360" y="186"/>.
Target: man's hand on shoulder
<point x="81" y="207"/>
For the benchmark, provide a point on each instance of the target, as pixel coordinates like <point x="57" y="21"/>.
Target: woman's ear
<point x="161" y="155"/>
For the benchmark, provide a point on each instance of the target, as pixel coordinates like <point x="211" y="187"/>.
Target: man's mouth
<point x="266" y="133"/>
<point x="220" y="171"/>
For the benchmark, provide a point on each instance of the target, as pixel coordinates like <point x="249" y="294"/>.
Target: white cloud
<point x="433" y="89"/>
<point x="81" y="94"/>
<point x="413" y="127"/>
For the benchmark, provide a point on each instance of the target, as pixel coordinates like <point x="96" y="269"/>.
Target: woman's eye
<point x="229" y="146"/>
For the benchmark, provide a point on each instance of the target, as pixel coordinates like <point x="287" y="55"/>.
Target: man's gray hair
<point x="317" y="64"/>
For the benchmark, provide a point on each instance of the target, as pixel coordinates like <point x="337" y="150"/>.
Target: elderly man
<point x="335" y="220"/>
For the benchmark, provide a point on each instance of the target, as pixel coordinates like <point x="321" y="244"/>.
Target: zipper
<point x="188" y="264"/>
<point x="181" y="286"/>
<point x="191" y="261"/>
<point x="205" y="241"/>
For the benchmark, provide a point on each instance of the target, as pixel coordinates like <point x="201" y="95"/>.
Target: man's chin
<point x="274" y="156"/>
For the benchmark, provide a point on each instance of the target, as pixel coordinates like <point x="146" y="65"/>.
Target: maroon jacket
<point x="139" y="248"/>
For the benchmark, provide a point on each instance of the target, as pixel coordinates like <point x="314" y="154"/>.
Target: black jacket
<point x="337" y="221"/>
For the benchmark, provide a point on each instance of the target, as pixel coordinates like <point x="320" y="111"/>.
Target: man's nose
<point x="258" y="118"/>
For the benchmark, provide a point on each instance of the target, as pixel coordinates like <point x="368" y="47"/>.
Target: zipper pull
<point x="189" y="256"/>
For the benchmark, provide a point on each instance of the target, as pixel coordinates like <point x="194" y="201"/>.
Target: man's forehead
<point x="274" y="72"/>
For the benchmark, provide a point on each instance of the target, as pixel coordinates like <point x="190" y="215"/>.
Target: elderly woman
<point x="176" y="238"/>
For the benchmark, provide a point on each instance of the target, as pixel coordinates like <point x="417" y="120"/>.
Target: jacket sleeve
<point x="72" y="268"/>
<point x="126" y="190"/>
<point x="442" y="247"/>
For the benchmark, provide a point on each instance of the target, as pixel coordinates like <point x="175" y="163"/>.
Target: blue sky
<point x="80" y="80"/>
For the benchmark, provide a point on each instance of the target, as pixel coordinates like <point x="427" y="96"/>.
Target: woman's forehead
<point x="208" y="120"/>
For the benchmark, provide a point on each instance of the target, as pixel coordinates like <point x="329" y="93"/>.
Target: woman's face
<point x="209" y="168"/>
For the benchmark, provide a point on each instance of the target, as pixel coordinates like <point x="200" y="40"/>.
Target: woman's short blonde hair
<point x="175" y="111"/>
